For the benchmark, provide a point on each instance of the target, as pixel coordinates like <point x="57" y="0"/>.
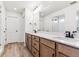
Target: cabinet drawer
<point x="28" y="35"/>
<point x="35" y="44"/>
<point x="48" y="43"/>
<point x="69" y="51"/>
<point x="35" y="52"/>
<point x="35" y="38"/>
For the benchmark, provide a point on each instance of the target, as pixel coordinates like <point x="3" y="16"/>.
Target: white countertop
<point x="74" y="42"/>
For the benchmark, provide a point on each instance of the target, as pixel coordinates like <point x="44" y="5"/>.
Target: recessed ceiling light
<point x="14" y="8"/>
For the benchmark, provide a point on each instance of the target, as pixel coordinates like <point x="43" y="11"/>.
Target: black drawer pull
<point x="34" y="43"/>
<point x="34" y="52"/>
<point x="53" y="55"/>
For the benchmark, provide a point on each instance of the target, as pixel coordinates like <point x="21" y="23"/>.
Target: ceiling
<point x="46" y="6"/>
<point x="20" y="5"/>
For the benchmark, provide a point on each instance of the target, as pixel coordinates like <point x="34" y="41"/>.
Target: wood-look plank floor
<point x="16" y="50"/>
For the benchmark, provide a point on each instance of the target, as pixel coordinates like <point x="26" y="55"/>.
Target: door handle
<point x="16" y="30"/>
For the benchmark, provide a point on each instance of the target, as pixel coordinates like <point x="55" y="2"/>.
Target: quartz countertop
<point x="74" y="42"/>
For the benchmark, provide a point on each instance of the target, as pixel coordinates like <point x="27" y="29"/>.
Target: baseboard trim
<point x="14" y="42"/>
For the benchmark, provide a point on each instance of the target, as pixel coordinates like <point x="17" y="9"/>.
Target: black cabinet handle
<point x="34" y="43"/>
<point x="34" y="52"/>
<point x="53" y="55"/>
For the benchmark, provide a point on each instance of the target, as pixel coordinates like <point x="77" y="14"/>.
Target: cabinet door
<point x="29" y="43"/>
<point x="35" y="44"/>
<point x="67" y="50"/>
<point x="60" y="55"/>
<point x="45" y="51"/>
<point x="35" y="52"/>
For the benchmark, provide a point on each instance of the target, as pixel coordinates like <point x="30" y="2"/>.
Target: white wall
<point x="41" y="23"/>
<point x="70" y="17"/>
<point x="2" y="28"/>
<point x="28" y="20"/>
<point x="21" y="26"/>
<point x="36" y="19"/>
<point x="31" y="17"/>
<point x="2" y="24"/>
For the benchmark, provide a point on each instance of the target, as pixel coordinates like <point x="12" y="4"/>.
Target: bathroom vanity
<point x="45" y="45"/>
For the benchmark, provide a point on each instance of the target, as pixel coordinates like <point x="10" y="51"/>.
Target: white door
<point x="12" y="29"/>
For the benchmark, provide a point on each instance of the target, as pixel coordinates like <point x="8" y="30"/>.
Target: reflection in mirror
<point x="58" y="23"/>
<point x="77" y="18"/>
<point x="55" y="24"/>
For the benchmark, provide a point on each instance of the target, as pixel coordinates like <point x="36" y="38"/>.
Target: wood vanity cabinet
<point x="35" y="46"/>
<point x="47" y="48"/>
<point x="66" y="51"/>
<point x="42" y="47"/>
<point x="29" y="41"/>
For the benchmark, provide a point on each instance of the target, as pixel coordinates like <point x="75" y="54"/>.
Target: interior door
<point x="12" y="29"/>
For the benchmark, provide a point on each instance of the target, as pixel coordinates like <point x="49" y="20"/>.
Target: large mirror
<point x="58" y="23"/>
<point x="55" y="24"/>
